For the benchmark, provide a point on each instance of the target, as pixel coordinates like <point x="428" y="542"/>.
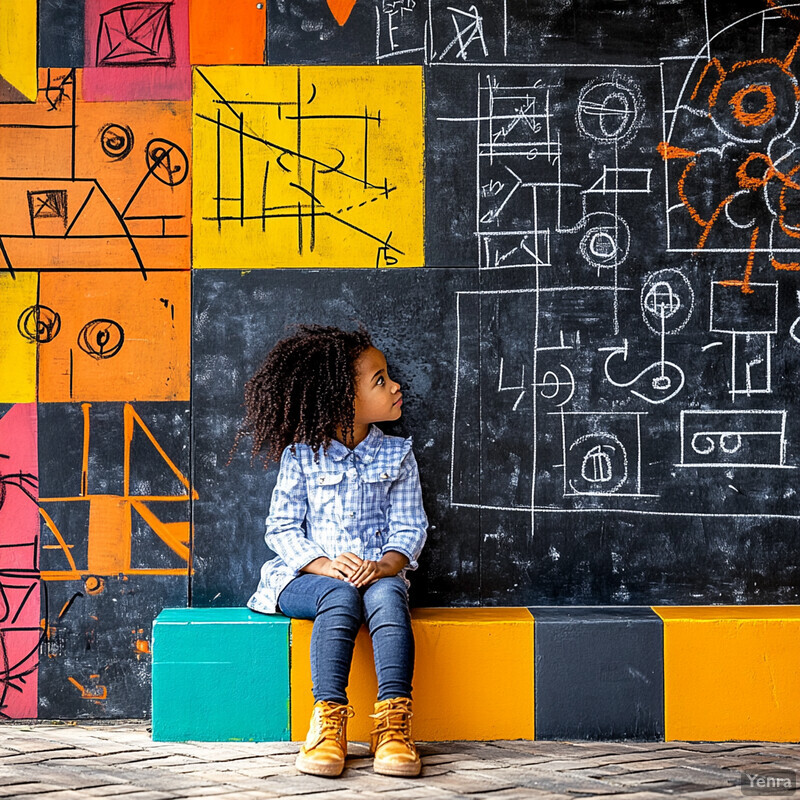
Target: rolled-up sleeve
<point x="407" y="522"/>
<point x="286" y="532"/>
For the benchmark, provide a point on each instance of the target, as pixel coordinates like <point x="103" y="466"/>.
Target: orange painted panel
<point x="94" y="185"/>
<point x="233" y="32"/>
<point x="121" y="338"/>
<point x="730" y="673"/>
<point x="483" y="655"/>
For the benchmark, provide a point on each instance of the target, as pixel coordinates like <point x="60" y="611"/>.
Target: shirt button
<point x="351" y="473"/>
<point x="352" y="513"/>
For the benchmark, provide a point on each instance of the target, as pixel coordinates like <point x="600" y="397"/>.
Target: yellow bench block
<point x="473" y="676"/>
<point x="731" y="672"/>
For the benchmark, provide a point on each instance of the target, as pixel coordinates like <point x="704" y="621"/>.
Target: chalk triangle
<point x="152" y="471"/>
<point x="157" y="543"/>
<point x="9" y="94"/>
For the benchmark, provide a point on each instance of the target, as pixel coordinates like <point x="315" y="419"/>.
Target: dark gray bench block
<point x="599" y="673"/>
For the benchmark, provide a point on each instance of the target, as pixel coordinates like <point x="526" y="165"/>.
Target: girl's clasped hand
<point x="346" y="524"/>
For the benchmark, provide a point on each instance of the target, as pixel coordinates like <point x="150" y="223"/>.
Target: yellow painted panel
<point x="308" y="167"/>
<point x="473" y="676"/>
<point x="727" y="612"/>
<point x="730" y="673"/>
<point x="19" y="329"/>
<point x="18" y="45"/>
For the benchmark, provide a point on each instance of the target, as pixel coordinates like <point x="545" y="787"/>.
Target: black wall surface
<point x="601" y="354"/>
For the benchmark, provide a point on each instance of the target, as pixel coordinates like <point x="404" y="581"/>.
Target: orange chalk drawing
<point x="759" y="96"/>
<point x="751" y="105"/>
<point x="110" y="517"/>
<point x="94" y="585"/>
<point x="96" y="692"/>
<point x="745" y="282"/>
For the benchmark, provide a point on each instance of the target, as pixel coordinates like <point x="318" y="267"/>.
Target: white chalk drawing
<point x="733" y="439"/>
<point x="636" y="396"/>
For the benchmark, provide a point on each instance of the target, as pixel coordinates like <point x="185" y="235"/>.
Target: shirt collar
<point x="365" y="451"/>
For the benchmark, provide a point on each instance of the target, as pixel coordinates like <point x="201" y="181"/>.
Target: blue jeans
<point x="338" y="608"/>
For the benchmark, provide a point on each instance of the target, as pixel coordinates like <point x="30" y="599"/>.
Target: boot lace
<point x="331" y="720"/>
<point x="393" y="724"/>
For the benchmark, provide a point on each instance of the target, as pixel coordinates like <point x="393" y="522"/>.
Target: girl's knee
<point x="393" y="587"/>
<point x="388" y="598"/>
<point x="340" y="595"/>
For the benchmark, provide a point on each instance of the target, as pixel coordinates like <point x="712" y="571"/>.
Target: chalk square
<point x="734" y="311"/>
<point x="117" y="197"/>
<point x="233" y="33"/>
<point x="137" y="50"/>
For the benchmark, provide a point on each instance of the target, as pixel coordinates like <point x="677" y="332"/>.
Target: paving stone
<point x="24" y="789"/>
<point x="469" y="783"/>
<point x="526" y="794"/>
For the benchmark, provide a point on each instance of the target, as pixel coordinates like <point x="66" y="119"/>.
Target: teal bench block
<point x="220" y="674"/>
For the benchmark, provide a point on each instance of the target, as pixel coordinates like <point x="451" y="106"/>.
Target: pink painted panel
<point x="20" y="614"/>
<point x="137" y="50"/>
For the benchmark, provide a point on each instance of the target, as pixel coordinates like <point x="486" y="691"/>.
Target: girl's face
<point x="378" y="397"/>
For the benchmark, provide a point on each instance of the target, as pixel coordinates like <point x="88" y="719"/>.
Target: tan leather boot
<point x="325" y="747"/>
<point x="390" y="738"/>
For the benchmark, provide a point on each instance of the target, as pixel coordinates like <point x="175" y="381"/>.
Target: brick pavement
<point x="82" y="761"/>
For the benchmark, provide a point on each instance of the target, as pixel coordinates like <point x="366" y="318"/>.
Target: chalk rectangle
<point x="733" y="311"/>
<point x="733" y="439"/>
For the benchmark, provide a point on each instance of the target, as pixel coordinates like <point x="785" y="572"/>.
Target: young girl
<point x="346" y="522"/>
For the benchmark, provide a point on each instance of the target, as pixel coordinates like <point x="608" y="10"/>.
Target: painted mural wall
<point x="573" y="227"/>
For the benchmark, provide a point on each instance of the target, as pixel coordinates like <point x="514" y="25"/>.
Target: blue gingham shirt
<point x="365" y="501"/>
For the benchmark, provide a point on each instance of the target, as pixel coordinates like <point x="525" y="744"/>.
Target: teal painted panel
<point x="220" y="680"/>
<point x="186" y="615"/>
<point x="206" y="641"/>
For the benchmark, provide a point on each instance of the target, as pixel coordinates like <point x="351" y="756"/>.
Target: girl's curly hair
<point x="304" y="392"/>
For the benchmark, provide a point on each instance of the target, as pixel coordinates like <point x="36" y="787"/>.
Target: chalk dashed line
<point x="371" y="200"/>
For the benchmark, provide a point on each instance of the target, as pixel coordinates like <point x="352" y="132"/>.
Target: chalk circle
<point x="755" y="102"/>
<point x="604" y="464"/>
<point x="610" y="111"/>
<point x="606" y="246"/>
<point x="93" y="584"/>
<point x="39" y="324"/>
<point x="662" y="383"/>
<point x="753" y="105"/>
<point x="101" y="338"/>
<point x="166" y="162"/>
<point x="667" y="301"/>
<point x="116" y="141"/>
